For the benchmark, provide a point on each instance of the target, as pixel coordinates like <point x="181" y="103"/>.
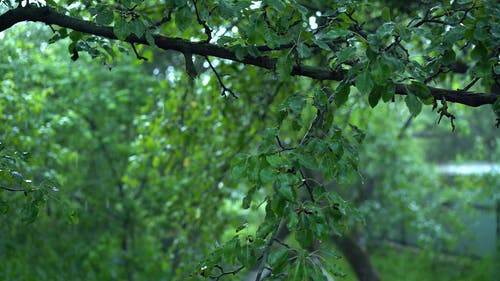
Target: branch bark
<point x="52" y="17"/>
<point x="357" y="258"/>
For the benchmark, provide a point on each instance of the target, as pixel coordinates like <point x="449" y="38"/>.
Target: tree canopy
<point x="227" y="139"/>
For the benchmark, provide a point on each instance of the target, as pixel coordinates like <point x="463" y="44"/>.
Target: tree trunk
<point x="357" y="258"/>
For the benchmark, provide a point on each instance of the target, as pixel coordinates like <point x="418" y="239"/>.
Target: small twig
<point x="316" y="123"/>
<point x="208" y="30"/>
<point x="396" y="42"/>
<point x="308" y="187"/>
<point x="474" y="81"/>
<point x="439" y="71"/>
<point x="16" y="189"/>
<point x="405" y="126"/>
<point x="267" y="250"/>
<point x="137" y="54"/>
<point x="163" y="20"/>
<point x="13" y="189"/>
<point x="435" y="19"/>
<point x="282" y="243"/>
<point x="358" y="28"/>
<point x="283" y="148"/>
<point x="224" y="273"/>
<point x="225" y="89"/>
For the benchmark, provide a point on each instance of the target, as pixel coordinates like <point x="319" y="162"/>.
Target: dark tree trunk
<point x="357" y="258"/>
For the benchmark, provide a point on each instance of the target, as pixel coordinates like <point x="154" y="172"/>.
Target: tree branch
<point x="13" y="189"/>
<point x="50" y="16"/>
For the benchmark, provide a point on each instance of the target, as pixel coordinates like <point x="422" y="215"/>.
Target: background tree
<point x="153" y="163"/>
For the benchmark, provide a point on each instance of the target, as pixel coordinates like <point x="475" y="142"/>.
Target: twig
<point x="163" y="20"/>
<point x="224" y="273"/>
<point x="308" y="187"/>
<point x="358" y="28"/>
<point x="13" y="189"/>
<point x="438" y="71"/>
<point x="283" y="148"/>
<point x="208" y="30"/>
<point x="16" y="189"/>
<point x="137" y="54"/>
<point x="282" y="243"/>
<point x="435" y="19"/>
<point x="225" y="89"/>
<point x="474" y="81"/>
<point x="396" y="42"/>
<point x="267" y="250"/>
<point x="405" y="126"/>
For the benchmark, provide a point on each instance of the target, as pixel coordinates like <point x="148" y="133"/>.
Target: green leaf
<point x="284" y="67"/>
<point x="335" y="33"/>
<point x="413" y="104"/>
<point x="75" y="35"/>
<point x="449" y="57"/>
<point x="404" y="32"/>
<point x="305" y="237"/>
<point x="292" y="220"/>
<point x="137" y="27"/>
<point x="121" y="29"/>
<point x="320" y="99"/>
<point x="388" y="92"/>
<point x="278" y="259"/>
<point x="454" y="34"/>
<point x="341" y="94"/>
<point x="267" y="174"/>
<point x="150" y="39"/>
<point x="240" y="165"/>
<point x="420" y="90"/>
<point x="385" y="29"/>
<point x="29" y="212"/>
<point x="380" y="72"/>
<point x="286" y="191"/>
<point x="386" y="14"/>
<point x="247" y="200"/>
<point x="274" y="160"/>
<point x="184" y="18"/>
<point x="321" y="44"/>
<point x="345" y="54"/>
<point x="303" y="50"/>
<point x="307" y="160"/>
<point x="364" y="82"/>
<point x="104" y="17"/>
<point x="240" y="52"/>
<point x="481" y="34"/>
<point x="297" y="272"/>
<point x="296" y="103"/>
<point x="73" y="217"/>
<point x="227" y="9"/>
<point x="278" y="5"/>
<point x="4" y="207"/>
<point x="374" y="96"/>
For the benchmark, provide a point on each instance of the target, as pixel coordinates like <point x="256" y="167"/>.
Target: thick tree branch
<point x="52" y="17"/>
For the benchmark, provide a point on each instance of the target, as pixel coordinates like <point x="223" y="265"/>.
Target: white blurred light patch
<point x="255" y="5"/>
<point x="469" y="169"/>
<point x="312" y="22"/>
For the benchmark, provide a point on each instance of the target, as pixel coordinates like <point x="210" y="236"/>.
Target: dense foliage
<point x="174" y="140"/>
